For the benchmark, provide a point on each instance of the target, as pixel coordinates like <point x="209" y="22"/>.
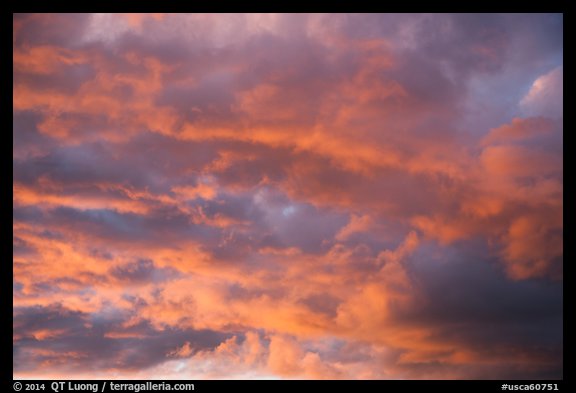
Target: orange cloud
<point x="519" y="129"/>
<point x="533" y="243"/>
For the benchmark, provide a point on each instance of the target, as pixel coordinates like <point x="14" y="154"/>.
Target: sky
<point x="323" y="196"/>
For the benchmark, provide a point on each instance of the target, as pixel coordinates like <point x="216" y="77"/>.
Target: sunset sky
<point x="322" y="196"/>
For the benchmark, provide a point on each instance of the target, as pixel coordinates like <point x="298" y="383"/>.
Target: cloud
<point x="288" y="196"/>
<point x="356" y="224"/>
<point x="545" y="95"/>
<point x="92" y="341"/>
<point x="520" y="129"/>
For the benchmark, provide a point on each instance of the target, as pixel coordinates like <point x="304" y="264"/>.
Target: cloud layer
<point x="288" y="196"/>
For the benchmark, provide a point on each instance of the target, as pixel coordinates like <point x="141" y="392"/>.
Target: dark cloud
<point x="322" y="303"/>
<point x="68" y="79"/>
<point x="142" y="271"/>
<point x="87" y="343"/>
<point x="469" y="303"/>
<point x="49" y="29"/>
<point x="21" y="247"/>
<point x="150" y="160"/>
